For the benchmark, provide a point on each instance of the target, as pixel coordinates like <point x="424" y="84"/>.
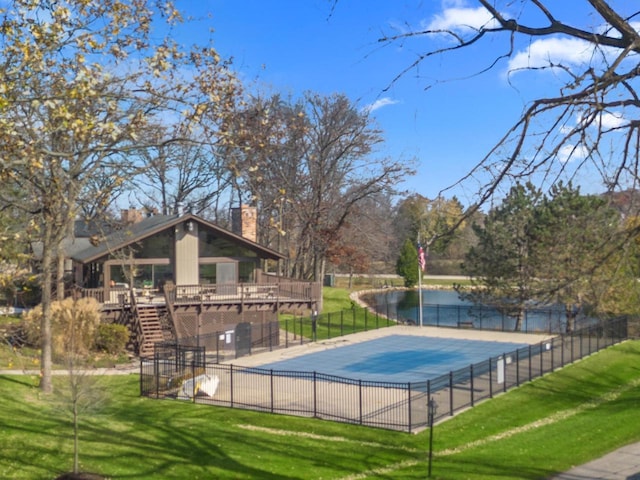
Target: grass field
<point x="544" y="427"/>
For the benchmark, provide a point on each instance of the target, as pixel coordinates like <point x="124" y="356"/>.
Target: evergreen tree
<point x="407" y="265"/>
<point x="574" y="238"/>
<point x="500" y="265"/>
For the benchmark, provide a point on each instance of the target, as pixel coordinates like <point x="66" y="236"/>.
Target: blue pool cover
<point x="397" y="358"/>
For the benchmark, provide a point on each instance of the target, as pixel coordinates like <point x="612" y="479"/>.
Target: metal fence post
<point x="451" y="393"/>
<point x="231" y="384"/>
<point x="504" y="366"/>
<point x="193" y="380"/>
<point x="360" y="399"/>
<point x="156" y="368"/>
<point x="517" y="368"/>
<point x="301" y="336"/>
<point x="271" y="385"/>
<point x="490" y="379"/>
<point x="471" y="389"/>
<point x="315" y="395"/>
<point x="409" y="404"/>
<point x="353" y="316"/>
<point x="431" y="413"/>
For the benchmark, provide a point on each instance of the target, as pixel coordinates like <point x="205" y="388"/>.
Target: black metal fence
<point x="222" y="346"/>
<point x="181" y="372"/>
<point x="552" y="319"/>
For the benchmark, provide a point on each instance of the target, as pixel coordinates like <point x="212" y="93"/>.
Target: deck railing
<point x="211" y="293"/>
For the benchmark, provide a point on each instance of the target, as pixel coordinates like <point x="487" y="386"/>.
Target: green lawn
<point x="546" y="426"/>
<point x="341" y="315"/>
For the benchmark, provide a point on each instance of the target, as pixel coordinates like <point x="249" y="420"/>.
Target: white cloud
<point x="612" y="120"/>
<point x="570" y="153"/>
<point x="460" y="18"/>
<point x="605" y="120"/>
<point x="383" y="102"/>
<point x="553" y="51"/>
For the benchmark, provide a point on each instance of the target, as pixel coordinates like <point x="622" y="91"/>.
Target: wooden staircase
<point x="151" y="329"/>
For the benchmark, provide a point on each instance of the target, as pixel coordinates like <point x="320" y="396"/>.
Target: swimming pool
<point x="397" y="358"/>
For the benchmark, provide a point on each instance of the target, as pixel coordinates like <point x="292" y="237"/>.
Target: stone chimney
<point x="130" y="215"/>
<point x="244" y="221"/>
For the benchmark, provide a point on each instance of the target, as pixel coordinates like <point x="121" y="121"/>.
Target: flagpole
<point x="420" y="294"/>
<point x="420" y="260"/>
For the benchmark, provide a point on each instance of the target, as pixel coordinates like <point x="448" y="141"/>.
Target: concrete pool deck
<point x="355" y="338"/>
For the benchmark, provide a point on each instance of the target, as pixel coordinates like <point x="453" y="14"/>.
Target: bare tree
<point x="367" y="243"/>
<point x="189" y="173"/>
<point x="593" y="118"/>
<point x="308" y="164"/>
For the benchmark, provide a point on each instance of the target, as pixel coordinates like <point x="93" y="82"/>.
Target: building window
<point x="210" y="245"/>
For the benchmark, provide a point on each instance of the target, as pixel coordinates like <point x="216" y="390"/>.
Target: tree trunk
<point x="60" y="276"/>
<point x="519" y="319"/>
<point x="46" y="384"/>
<point x="570" y="313"/>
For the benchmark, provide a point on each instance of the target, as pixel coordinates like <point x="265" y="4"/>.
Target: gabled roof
<point x="151" y="226"/>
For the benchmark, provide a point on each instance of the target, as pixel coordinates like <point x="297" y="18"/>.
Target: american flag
<point x="422" y="261"/>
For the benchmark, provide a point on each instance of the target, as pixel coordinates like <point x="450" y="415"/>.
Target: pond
<point x="444" y="308"/>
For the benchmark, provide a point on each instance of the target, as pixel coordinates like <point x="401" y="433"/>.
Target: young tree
<point x="75" y="323"/>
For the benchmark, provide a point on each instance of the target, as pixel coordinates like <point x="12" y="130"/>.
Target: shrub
<point x="73" y="326"/>
<point x="18" y="286"/>
<point x="112" y="338"/>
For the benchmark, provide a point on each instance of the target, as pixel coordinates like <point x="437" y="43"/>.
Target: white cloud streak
<point x="570" y="153"/>
<point x="460" y="18"/>
<point x="554" y="51"/>
<point x="383" y="102"/>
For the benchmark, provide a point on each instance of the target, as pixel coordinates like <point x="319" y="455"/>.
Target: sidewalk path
<point x="621" y="464"/>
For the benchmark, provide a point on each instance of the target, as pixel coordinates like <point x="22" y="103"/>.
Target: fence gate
<point x="243" y="339"/>
<point x="174" y="356"/>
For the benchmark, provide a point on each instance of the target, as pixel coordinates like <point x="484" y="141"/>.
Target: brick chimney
<point x="244" y="220"/>
<point x="130" y="215"/>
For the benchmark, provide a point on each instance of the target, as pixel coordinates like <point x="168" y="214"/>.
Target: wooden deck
<point x="184" y="310"/>
<point x="281" y="293"/>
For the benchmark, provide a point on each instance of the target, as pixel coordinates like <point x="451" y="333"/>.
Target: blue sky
<point x="328" y="47"/>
